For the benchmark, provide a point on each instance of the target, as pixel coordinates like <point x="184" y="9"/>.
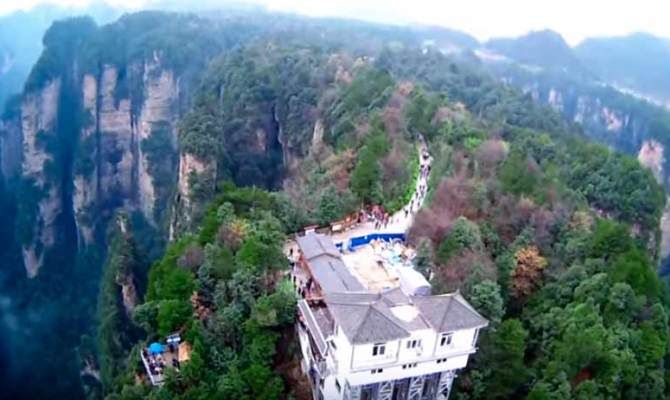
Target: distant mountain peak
<point x="639" y="62"/>
<point x="543" y="48"/>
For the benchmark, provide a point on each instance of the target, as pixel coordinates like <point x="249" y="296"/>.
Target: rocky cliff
<point x="125" y="137"/>
<point x="10" y="143"/>
<point x="124" y="143"/>
<point x="38" y="127"/>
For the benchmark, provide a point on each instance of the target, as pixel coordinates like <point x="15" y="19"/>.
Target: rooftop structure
<point x="323" y="265"/>
<point x="368" y="328"/>
<point x="157" y="357"/>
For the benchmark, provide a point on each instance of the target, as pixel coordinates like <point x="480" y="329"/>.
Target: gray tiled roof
<point x="366" y="322"/>
<point x="369" y="317"/>
<point x="333" y="275"/>
<point x="313" y="325"/>
<point x="449" y="312"/>
<point x="326" y="265"/>
<point x="395" y="297"/>
<point x="317" y="244"/>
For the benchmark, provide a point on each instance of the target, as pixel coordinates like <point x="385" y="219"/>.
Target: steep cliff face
<point x="85" y="179"/>
<point x="115" y="140"/>
<point x="11" y="143"/>
<point x="157" y="139"/>
<point x="128" y="143"/>
<point x="38" y="125"/>
<point x="126" y="152"/>
<point x="193" y="173"/>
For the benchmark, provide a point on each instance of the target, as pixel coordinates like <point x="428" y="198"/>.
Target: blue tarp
<point x="363" y="240"/>
<point x="155" y="348"/>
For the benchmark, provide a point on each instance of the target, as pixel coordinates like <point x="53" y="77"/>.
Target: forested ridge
<point x="554" y="239"/>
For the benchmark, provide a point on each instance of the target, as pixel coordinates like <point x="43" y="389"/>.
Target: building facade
<point x="387" y="345"/>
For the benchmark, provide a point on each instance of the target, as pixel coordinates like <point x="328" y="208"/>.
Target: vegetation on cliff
<point x="223" y="290"/>
<point x="553" y="239"/>
<point x="550" y="238"/>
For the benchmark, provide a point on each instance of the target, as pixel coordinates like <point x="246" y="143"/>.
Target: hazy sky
<point x="574" y="19"/>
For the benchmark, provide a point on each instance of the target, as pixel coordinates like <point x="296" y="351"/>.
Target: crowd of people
<point x="158" y="362"/>
<point x="422" y="189"/>
<point x="376" y="214"/>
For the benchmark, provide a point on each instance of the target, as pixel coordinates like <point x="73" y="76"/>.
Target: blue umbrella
<point x="155" y="348"/>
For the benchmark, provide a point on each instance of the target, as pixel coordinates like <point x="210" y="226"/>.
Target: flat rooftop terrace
<point x="373" y="263"/>
<point x="376" y="264"/>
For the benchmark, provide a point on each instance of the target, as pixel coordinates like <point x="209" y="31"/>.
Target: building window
<point x="446" y="339"/>
<point x="337" y="386"/>
<point x="413" y="344"/>
<point x="377" y="371"/>
<point x="332" y="344"/>
<point x="378" y="349"/>
<point x="408" y="366"/>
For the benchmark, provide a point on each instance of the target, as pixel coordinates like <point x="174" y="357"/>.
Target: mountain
<point x="585" y="85"/>
<point x="21" y="39"/>
<point x="446" y="39"/>
<point x="159" y="163"/>
<point x="639" y="62"/>
<point x="109" y="122"/>
<point x="545" y="49"/>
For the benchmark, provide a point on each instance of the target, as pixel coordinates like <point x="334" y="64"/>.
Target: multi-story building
<point x="358" y="344"/>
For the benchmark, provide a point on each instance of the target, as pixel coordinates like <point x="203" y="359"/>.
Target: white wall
<point x="427" y="338"/>
<point x="342" y="352"/>
<point x="354" y="364"/>
<point x="394" y="372"/>
<point x="362" y="355"/>
<point x="462" y="340"/>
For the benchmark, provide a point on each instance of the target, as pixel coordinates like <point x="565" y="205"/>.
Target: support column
<point x="385" y="390"/>
<point x="446" y="380"/>
<point x="352" y="393"/>
<point x="415" y="387"/>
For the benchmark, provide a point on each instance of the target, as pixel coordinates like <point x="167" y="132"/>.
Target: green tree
<point x="505" y="359"/>
<point x="172" y="315"/>
<point x="366" y="178"/>
<point x="485" y="297"/>
<point x="464" y="235"/>
<point x="423" y="262"/>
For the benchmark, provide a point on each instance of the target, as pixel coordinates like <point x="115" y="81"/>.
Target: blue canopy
<point x="155" y="348"/>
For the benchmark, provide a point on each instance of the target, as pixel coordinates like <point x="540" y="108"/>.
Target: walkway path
<point x="401" y="221"/>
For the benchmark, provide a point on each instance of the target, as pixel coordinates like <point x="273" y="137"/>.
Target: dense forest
<point x="287" y="122"/>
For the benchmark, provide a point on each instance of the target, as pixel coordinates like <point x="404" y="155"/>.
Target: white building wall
<point x="354" y="364"/>
<point x="396" y="372"/>
<point x="462" y="340"/>
<point x="360" y="356"/>
<point x="329" y="388"/>
<point x="363" y="358"/>
<point x="427" y="338"/>
<point x="342" y="354"/>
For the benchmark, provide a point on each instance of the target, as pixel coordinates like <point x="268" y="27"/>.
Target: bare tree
<point x="489" y="155"/>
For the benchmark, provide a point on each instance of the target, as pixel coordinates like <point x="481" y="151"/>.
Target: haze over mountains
<point x="130" y="136"/>
<point x="638" y="63"/>
<point x="21" y="39"/>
